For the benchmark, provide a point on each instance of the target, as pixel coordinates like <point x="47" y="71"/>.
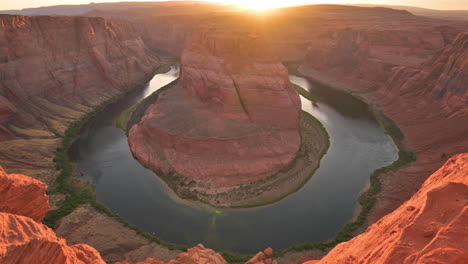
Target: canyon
<point x="413" y="69"/>
<point x="231" y="119"/>
<point x="427" y="228"/>
<point x="53" y="71"/>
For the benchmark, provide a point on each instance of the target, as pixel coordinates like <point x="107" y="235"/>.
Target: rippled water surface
<point x="315" y="213"/>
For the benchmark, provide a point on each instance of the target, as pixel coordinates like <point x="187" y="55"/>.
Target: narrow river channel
<point x="317" y="212"/>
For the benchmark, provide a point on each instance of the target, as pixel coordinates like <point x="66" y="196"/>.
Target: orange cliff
<point x="23" y="239"/>
<point x="23" y="195"/>
<point x="232" y="118"/>
<point x="429" y="228"/>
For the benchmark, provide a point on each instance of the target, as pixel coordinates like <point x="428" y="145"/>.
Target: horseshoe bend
<point x="194" y="132"/>
<point x="232" y="119"/>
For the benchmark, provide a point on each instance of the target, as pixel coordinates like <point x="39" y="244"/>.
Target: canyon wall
<point x="413" y="69"/>
<point x="429" y="103"/>
<point x="428" y="228"/>
<point x="52" y="71"/>
<point x="233" y="117"/>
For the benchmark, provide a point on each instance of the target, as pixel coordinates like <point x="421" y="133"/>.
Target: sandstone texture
<point x="23" y="195"/>
<point x="196" y="255"/>
<point x="414" y="70"/>
<point x="112" y="239"/>
<point x="202" y="255"/>
<point x="429" y="104"/>
<point x="24" y="241"/>
<point x="429" y="228"/>
<point x="233" y="117"/>
<point x="55" y="69"/>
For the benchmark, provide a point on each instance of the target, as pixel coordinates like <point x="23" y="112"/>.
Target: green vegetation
<point x="124" y="117"/>
<point x="368" y="199"/>
<point x="235" y="258"/>
<point x="79" y="193"/>
<point x="306" y="94"/>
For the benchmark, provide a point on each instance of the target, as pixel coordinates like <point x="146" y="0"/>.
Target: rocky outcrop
<point x="429" y="105"/>
<point x="55" y="69"/>
<point x="202" y="255"/>
<point x="429" y="228"/>
<point x="232" y="119"/>
<point x="23" y="195"/>
<point x="196" y="255"/>
<point x="24" y="241"/>
<point x="265" y="257"/>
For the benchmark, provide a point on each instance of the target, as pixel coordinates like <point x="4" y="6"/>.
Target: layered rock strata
<point x="55" y="69"/>
<point x="23" y="195"/>
<point x="23" y="239"/>
<point x="429" y="228"/>
<point x="233" y="118"/>
<point x="428" y="101"/>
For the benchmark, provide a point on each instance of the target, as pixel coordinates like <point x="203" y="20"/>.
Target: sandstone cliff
<point x="429" y="228"/>
<point x="232" y="119"/>
<point x="24" y="241"/>
<point x="23" y="195"/>
<point x="52" y="71"/>
<point x="418" y="79"/>
<point x="429" y="104"/>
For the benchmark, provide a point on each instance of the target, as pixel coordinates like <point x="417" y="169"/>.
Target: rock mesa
<point x="233" y="117"/>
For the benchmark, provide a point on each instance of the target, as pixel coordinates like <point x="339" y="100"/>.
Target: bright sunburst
<point x="260" y="4"/>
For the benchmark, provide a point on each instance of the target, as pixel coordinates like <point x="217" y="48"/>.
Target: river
<point x="315" y="213"/>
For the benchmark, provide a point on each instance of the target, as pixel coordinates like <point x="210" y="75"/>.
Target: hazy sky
<point x="436" y="4"/>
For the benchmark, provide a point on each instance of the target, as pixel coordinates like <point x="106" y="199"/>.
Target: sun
<point x="260" y="4"/>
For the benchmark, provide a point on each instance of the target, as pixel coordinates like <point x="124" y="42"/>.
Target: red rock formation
<point x="24" y="241"/>
<point x="55" y="69"/>
<point x="23" y="195"/>
<point x="418" y="76"/>
<point x="196" y="255"/>
<point x="429" y="228"/>
<point x="265" y="257"/>
<point x="233" y="117"/>
<point x="429" y="105"/>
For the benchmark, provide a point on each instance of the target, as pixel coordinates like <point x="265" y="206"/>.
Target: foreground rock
<point x="196" y="255"/>
<point x="429" y="228"/>
<point x="110" y="237"/>
<point x="232" y="119"/>
<point x="25" y="241"/>
<point x="202" y="255"/>
<point x="23" y="195"/>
